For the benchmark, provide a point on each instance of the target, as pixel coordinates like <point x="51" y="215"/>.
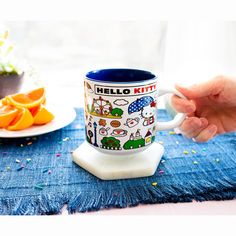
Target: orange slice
<point x="23" y="120"/>
<point x="32" y="99"/>
<point x="3" y="102"/>
<point x="7" y="115"/>
<point x="42" y="115"/>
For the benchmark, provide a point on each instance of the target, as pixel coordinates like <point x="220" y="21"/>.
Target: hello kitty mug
<point x="121" y="110"/>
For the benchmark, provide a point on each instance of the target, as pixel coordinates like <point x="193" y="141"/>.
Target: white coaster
<point x="108" y="167"/>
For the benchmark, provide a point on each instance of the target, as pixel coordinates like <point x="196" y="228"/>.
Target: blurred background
<point x="62" y="52"/>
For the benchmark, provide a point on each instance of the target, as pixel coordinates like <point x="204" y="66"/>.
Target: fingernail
<point x="194" y="140"/>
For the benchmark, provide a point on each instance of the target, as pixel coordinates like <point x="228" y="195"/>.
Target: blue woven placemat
<point x="37" y="175"/>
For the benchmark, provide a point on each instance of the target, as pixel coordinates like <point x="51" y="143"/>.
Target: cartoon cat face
<point x="148" y="112"/>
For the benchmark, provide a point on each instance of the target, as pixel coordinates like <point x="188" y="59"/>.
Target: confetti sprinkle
<point x="46" y="170"/>
<point x="172" y="132"/>
<point x="195" y="162"/>
<point x="8" y="168"/>
<point x="154" y="184"/>
<point x="204" y="149"/>
<point x="65" y="139"/>
<point x="58" y="154"/>
<point x="185" y="152"/>
<point x="22" y="145"/>
<point x="161" y="142"/>
<point x="177" y="142"/>
<point x="161" y="172"/>
<point x="20" y="168"/>
<point x="29" y="143"/>
<point x="217" y="160"/>
<point x="194" y="152"/>
<point x="17" y="161"/>
<point x="39" y="187"/>
<point x="28" y="160"/>
<point x="49" y="172"/>
<point x="163" y="161"/>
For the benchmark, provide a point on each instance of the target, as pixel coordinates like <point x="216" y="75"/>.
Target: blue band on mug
<point x="120" y="75"/>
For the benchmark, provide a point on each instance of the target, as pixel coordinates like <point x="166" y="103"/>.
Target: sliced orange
<point x="33" y="110"/>
<point x="42" y="115"/>
<point x="3" y="101"/>
<point x="7" y="115"/>
<point x="23" y="120"/>
<point x="29" y="100"/>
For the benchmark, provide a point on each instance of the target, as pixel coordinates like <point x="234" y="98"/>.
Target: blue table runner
<point x="37" y="175"/>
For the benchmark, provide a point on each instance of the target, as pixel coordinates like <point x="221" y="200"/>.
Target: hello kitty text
<point x="126" y="91"/>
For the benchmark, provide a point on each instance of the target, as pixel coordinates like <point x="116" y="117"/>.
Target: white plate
<point x="63" y="117"/>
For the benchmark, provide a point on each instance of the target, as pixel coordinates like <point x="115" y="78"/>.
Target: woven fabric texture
<point x="37" y="175"/>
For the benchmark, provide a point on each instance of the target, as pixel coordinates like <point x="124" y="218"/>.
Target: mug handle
<point x="179" y="117"/>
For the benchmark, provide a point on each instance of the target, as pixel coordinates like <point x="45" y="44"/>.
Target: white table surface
<point x="67" y="87"/>
<point x="192" y="208"/>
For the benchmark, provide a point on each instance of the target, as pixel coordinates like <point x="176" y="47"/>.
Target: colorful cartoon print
<point x="95" y="134"/>
<point x="103" y="108"/>
<point x="119" y="132"/>
<point x="117" y="112"/>
<point x="115" y="123"/>
<point x="104" y="131"/>
<point x="148" y="113"/>
<point x="135" y="141"/>
<point x="88" y="86"/>
<point x="139" y="104"/>
<point x="148" y="137"/>
<point x="120" y="102"/>
<point x="102" y="122"/>
<point x="147" y="106"/>
<point x="89" y="136"/>
<point x="110" y="143"/>
<point x="153" y="138"/>
<point x="131" y="122"/>
<point x="86" y="115"/>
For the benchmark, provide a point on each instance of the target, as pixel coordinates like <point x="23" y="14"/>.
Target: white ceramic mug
<point x="121" y="110"/>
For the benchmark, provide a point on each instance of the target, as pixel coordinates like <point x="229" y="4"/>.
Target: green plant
<point x="110" y="143"/>
<point x="117" y="112"/>
<point x="7" y="62"/>
<point x="133" y="144"/>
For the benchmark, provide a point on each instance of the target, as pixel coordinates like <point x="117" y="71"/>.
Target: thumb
<point x="211" y="87"/>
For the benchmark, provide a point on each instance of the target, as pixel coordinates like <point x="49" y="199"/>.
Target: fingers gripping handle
<point x="178" y="119"/>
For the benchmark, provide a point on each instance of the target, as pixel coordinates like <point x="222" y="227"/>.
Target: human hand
<point x="211" y="108"/>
